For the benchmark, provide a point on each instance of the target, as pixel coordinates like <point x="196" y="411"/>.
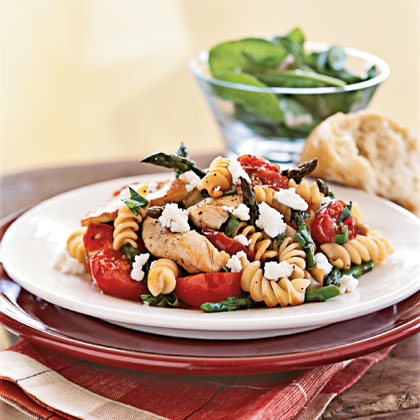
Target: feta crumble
<point x="67" y="264"/>
<point x="242" y="239"/>
<point x="234" y="262"/>
<point x="241" y="212"/>
<point x="323" y="263"/>
<point x="192" y="180"/>
<point x="276" y="271"/>
<point x="174" y="218"/>
<point x="236" y="170"/>
<point x="348" y="284"/>
<point x="137" y="272"/>
<point x="290" y="199"/>
<point x="270" y="220"/>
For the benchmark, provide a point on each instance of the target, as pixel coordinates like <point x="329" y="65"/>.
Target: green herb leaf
<point x="342" y="238"/>
<point x="135" y="202"/>
<point x="231" y="226"/>
<point x="169" y="300"/>
<point x="346" y="213"/>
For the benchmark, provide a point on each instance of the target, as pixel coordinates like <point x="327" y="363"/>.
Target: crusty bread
<point x="368" y="150"/>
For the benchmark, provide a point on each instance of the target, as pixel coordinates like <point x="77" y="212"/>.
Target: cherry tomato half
<point x="97" y="237"/>
<point x="111" y="273"/>
<point x="208" y="287"/>
<point x="224" y="243"/>
<point x="324" y="226"/>
<point x="263" y="172"/>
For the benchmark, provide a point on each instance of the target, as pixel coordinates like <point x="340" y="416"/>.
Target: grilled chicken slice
<point x="190" y="250"/>
<point x="210" y="213"/>
<point x="158" y="194"/>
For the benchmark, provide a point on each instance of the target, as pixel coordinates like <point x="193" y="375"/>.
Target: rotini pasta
<point x="76" y="247"/>
<point x="292" y="253"/>
<point x="258" y="242"/>
<point x="162" y="277"/>
<point x="266" y="195"/>
<point x="127" y="224"/>
<point x="218" y="178"/>
<point x="362" y="248"/>
<point x="310" y="193"/>
<point x="283" y="292"/>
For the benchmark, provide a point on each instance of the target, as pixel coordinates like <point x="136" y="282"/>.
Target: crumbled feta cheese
<point x="236" y="170"/>
<point x="290" y="199"/>
<point x="348" y="284"/>
<point x="242" y="239"/>
<point x="192" y="180"/>
<point x="322" y="263"/>
<point x="174" y="218"/>
<point x="137" y="272"/>
<point x="241" y="212"/>
<point x="275" y="271"/>
<point x="67" y="264"/>
<point x="270" y="220"/>
<point x="325" y="199"/>
<point x="234" y="262"/>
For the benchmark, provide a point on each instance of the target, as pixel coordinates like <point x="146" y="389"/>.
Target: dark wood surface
<point x="389" y="390"/>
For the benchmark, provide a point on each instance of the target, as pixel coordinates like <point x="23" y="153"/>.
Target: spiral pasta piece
<point x="266" y="195"/>
<point x="76" y="247"/>
<point x="259" y="243"/>
<point x="162" y="277"/>
<point x="310" y="193"/>
<point x="127" y="224"/>
<point x="360" y="249"/>
<point x="282" y="292"/>
<point x="218" y="178"/>
<point x="292" y="253"/>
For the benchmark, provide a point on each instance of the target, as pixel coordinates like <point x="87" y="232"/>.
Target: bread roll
<point x="368" y="150"/>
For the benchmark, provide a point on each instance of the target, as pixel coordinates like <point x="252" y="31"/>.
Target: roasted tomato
<point x="263" y="172"/>
<point x="208" y="287"/>
<point x="97" y="237"/>
<point x="324" y="226"/>
<point x="224" y="243"/>
<point x="111" y="273"/>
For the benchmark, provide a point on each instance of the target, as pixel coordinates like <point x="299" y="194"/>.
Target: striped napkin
<point x="48" y="385"/>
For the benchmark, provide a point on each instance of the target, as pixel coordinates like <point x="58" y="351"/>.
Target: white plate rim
<point x="196" y="320"/>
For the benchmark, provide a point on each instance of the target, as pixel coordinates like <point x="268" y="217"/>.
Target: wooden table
<point x="389" y="390"/>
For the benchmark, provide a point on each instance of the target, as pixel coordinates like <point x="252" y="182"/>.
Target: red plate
<point x="91" y="339"/>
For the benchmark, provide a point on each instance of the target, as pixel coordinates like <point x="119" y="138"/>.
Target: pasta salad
<point x="242" y="234"/>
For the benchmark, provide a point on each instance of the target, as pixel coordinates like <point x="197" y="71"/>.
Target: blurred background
<point x="101" y="80"/>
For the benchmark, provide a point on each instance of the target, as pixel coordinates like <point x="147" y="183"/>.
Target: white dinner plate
<point x="33" y="241"/>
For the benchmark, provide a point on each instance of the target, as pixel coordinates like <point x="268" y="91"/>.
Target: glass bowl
<point x="303" y="108"/>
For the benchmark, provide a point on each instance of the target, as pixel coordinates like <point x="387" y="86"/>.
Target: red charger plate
<point x="91" y="339"/>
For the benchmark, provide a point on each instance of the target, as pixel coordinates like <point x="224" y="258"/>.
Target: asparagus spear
<point x="321" y="294"/>
<point x="334" y="277"/>
<point x="169" y="160"/>
<point x="249" y="200"/>
<point x="359" y="270"/>
<point x="304" y="238"/>
<point x="323" y="188"/>
<point x="301" y="171"/>
<point x="232" y="303"/>
<point x="161" y="300"/>
<point x="182" y="152"/>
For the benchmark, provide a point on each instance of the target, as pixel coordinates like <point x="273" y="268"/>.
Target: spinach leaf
<point x="169" y="300"/>
<point x="246" y="54"/>
<point x="231" y="226"/>
<point x="262" y="104"/>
